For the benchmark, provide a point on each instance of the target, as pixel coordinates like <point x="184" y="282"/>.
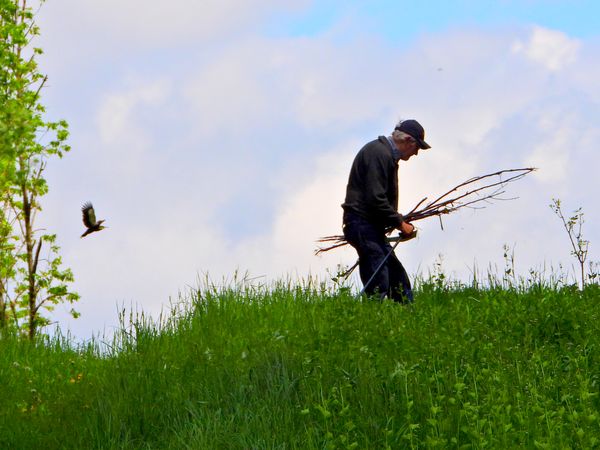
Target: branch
<point x="37" y="93"/>
<point x="13" y="308"/>
<point x="32" y="21"/>
<point x="41" y="303"/>
<point x="37" y="257"/>
<point x="474" y="194"/>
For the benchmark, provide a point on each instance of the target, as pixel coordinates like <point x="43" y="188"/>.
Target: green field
<point x="300" y="366"/>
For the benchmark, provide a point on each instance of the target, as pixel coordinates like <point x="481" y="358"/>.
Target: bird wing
<point x="89" y="216"/>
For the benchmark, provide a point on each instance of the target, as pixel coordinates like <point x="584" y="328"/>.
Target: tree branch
<point x="444" y="205"/>
<point x="37" y="257"/>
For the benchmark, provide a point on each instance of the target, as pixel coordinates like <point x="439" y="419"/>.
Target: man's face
<point x="408" y="148"/>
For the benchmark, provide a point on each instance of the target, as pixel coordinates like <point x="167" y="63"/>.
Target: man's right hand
<point x="406" y="228"/>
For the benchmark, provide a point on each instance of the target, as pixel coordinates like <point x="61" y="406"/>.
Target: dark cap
<point x="414" y="130"/>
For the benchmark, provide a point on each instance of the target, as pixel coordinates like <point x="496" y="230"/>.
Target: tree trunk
<point x="31" y="266"/>
<point x="3" y="317"/>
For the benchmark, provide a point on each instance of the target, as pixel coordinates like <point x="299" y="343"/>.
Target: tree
<point x="32" y="279"/>
<point x="8" y="114"/>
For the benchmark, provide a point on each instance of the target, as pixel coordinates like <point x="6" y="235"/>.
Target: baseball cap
<point x="414" y="130"/>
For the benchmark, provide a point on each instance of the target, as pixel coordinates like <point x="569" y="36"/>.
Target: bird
<point x="89" y="219"/>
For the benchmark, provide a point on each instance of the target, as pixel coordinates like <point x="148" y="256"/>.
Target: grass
<point x="293" y="366"/>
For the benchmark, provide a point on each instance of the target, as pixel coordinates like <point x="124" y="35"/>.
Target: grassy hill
<point x="300" y="367"/>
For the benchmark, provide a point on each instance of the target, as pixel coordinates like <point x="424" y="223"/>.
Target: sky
<point x="216" y="137"/>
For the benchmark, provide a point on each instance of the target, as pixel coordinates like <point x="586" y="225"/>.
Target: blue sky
<point x="220" y="139"/>
<point x="403" y="20"/>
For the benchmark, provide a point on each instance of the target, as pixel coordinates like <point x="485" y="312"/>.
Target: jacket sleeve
<point x="376" y="182"/>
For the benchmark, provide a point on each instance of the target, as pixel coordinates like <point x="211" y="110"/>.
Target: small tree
<point x="31" y="281"/>
<point x="573" y="226"/>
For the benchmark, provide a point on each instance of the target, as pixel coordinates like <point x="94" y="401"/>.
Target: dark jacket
<point x="372" y="190"/>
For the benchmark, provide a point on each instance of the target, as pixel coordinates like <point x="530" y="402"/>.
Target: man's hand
<point x="407" y="231"/>
<point x="406" y="228"/>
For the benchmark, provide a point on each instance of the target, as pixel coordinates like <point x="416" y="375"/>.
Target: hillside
<point x="300" y="367"/>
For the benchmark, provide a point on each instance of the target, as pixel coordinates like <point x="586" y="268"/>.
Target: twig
<point x="445" y="205"/>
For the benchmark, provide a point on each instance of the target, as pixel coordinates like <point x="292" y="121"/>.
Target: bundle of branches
<point x="472" y="193"/>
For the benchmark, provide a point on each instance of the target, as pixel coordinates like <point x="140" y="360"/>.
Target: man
<point x="371" y="209"/>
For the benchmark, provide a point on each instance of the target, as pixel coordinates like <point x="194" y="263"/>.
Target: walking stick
<point x="380" y="266"/>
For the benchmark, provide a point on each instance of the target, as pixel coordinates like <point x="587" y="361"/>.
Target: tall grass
<point x="300" y="366"/>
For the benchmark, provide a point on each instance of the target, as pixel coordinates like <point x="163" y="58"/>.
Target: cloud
<point x="311" y="210"/>
<point x="115" y="116"/>
<point x="550" y="48"/>
<point x="551" y="153"/>
<point x="147" y="24"/>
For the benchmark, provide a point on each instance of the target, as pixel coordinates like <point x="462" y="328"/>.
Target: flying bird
<point x="89" y="219"/>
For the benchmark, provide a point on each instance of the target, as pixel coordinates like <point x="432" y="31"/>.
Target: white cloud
<point x="152" y="24"/>
<point x="551" y="153"/>
<point x="116" y="120"/>
<point x="553" y="49"/>
<point x="310" y="211"/>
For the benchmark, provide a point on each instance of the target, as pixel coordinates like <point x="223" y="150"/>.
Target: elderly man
<point x="371" y="209"/>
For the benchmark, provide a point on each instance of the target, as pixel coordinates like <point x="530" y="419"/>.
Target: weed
<point x="574" y="228"/>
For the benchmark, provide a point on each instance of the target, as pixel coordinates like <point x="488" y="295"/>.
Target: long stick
<point x="379" y="267"/>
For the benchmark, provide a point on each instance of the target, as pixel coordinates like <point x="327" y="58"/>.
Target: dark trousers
<point x="372" y="247"/>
